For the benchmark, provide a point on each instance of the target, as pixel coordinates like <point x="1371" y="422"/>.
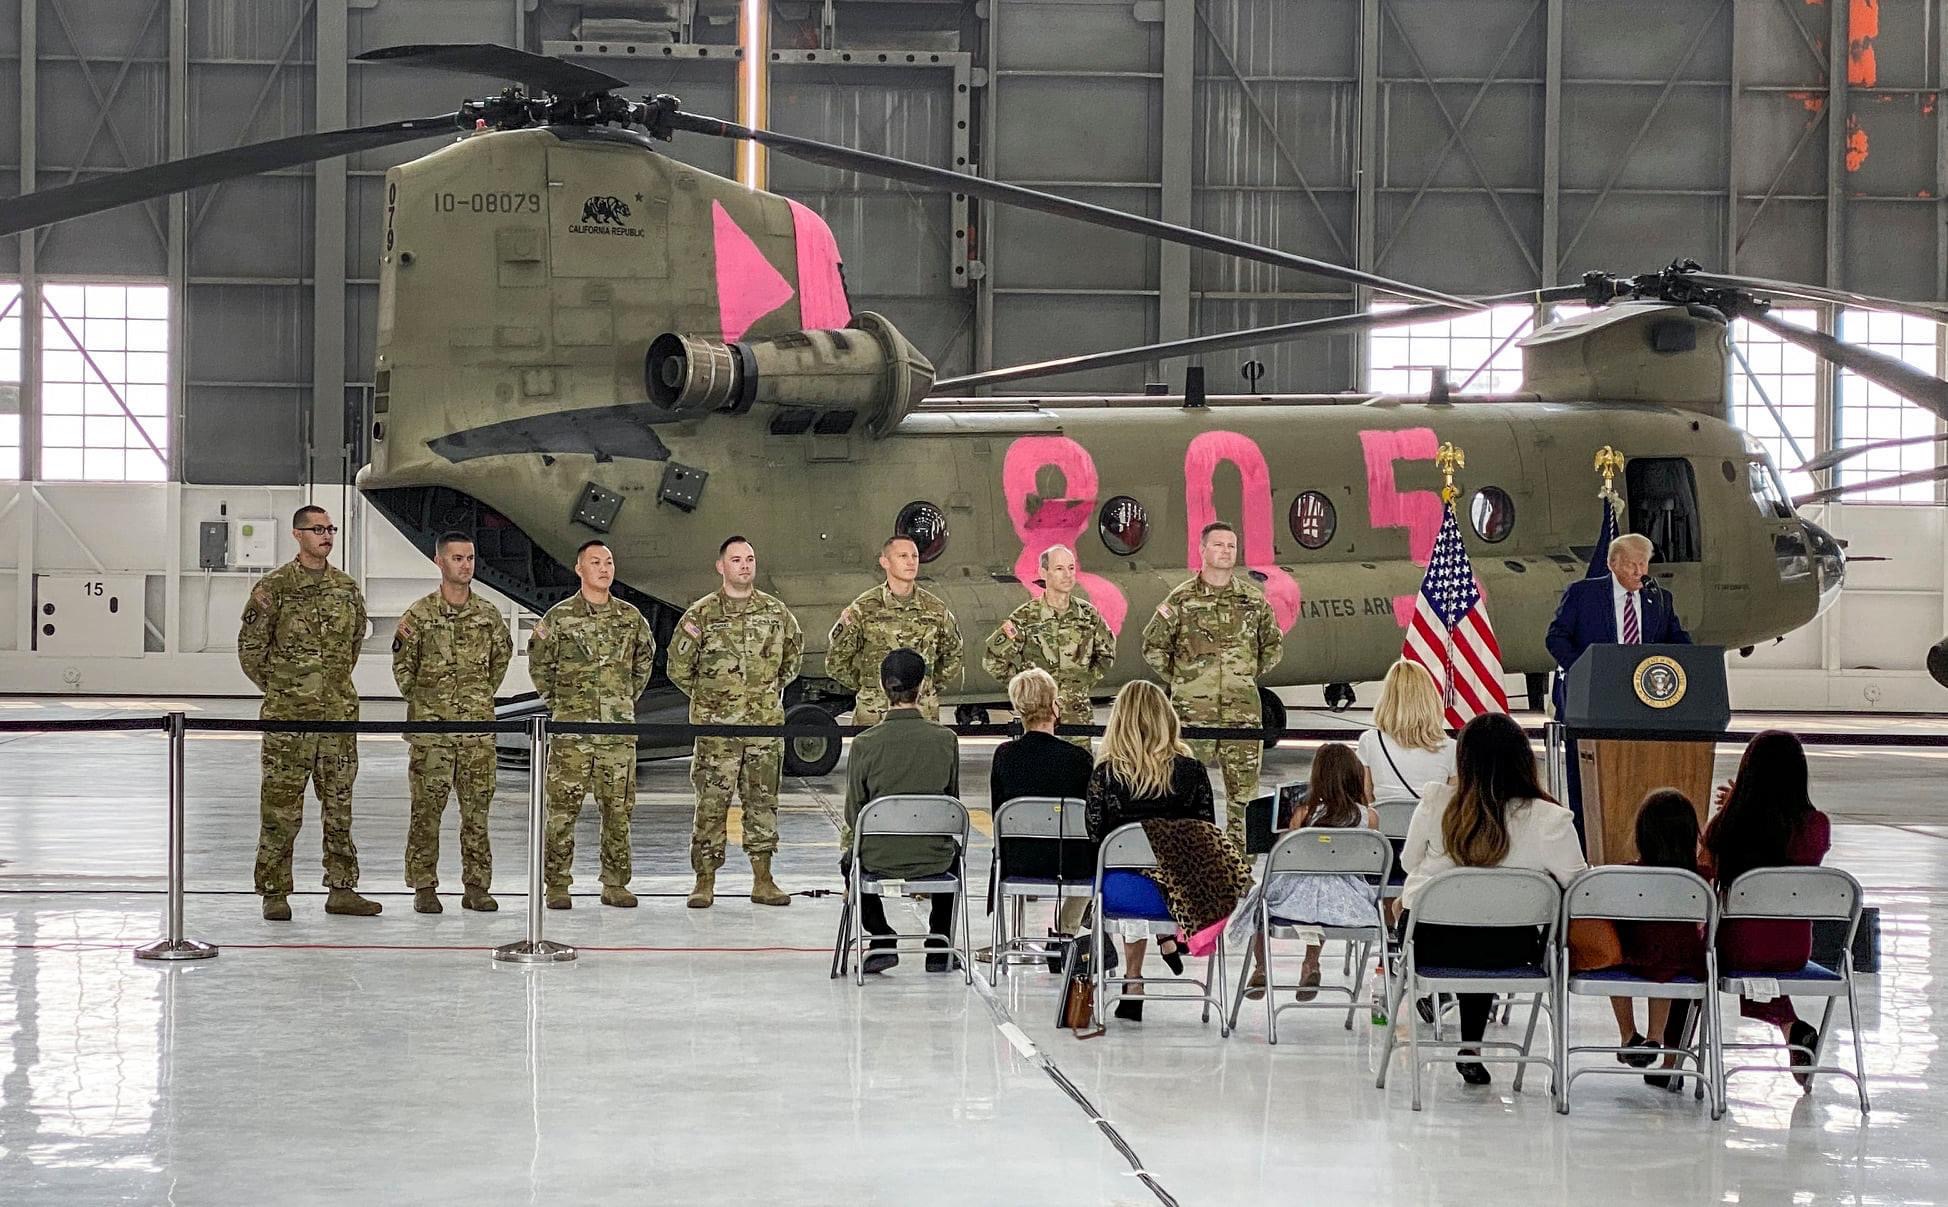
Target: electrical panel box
<point x="253" y="543"/>
<point x="89" y="615"/>
<point x="213" y="545"/>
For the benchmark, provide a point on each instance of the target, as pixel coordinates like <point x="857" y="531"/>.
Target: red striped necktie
<point x="1631" y="635"/>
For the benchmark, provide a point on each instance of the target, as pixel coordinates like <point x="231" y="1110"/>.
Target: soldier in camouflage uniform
<point x="732" y="654"/>
<point x="1059" y="633"/>
<point x="299" y="641"/>
<point x="448" y="656"/>
<point x="897" y="614"/>
<point x="590" y="657"/>
<point x="1210" y="640"/>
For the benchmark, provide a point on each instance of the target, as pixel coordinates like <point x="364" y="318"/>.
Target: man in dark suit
<point x="1624" y="606"/>
<point x="905" y="753"/>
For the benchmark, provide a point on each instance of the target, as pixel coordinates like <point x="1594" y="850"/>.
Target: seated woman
<point x="1495" y="815"/>
<point x="1407" y="748"/>
<point x="1667" y="837"/>
<point x="1336" y="798"/>
<point x="1039" y="764"/>
<point x="1767" y="820"/>
<point x="1145" y="773"/>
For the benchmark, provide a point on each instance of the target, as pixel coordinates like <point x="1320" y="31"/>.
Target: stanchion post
<point x="535" y="949"/>
<point x="172" y="945"/>
<point x="1553" y="760"/>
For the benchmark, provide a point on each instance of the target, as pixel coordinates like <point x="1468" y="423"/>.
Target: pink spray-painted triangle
<point x="748" y="287"/>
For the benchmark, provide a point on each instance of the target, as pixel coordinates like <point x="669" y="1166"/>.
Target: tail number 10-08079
<point x="487" y="203"/>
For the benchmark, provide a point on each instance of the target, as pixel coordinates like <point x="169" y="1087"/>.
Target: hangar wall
<point x="1471" y="145"/>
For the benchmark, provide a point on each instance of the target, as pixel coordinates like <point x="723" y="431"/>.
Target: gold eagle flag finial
<point x="1447" y="459"/>
<point x="1609" y="463"/>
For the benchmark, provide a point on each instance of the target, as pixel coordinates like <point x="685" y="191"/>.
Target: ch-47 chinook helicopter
<point x="579" y="336"/>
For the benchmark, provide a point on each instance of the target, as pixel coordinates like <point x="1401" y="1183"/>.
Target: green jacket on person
<point x="905" y="754"/>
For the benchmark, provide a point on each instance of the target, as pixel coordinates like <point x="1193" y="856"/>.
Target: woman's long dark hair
<point x="1667" y="831"/>
<point x="1493" y="766"/>
<point x="1768" y="803"/>
<point x="1336" y="795"/>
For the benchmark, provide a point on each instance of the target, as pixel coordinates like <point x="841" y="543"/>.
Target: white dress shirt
<point x="1617" y="596"/>
<point x="1541" y="837"/>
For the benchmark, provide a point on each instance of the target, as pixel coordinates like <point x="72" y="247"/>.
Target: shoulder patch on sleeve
<point x="397" y="642"/>
<point x="690" y="627"/>
<point x="1008" y="627"/>
<point x="1163" y="610"/>
<point x="263" y="597"/>
<point x="405" y="626"/>
<point x="845" y="617"/>
<point x="540" y="631"/>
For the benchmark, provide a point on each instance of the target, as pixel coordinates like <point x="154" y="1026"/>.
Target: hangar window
<point x="1870" y="414"/>
<point x="1767" y="369"/>
<point x="1313" y="520"/>
<point x="1478" y="351"/>
<point x="9" y="379"/>
<point x="104" y="403"/>
<point x="1124" y="526"/>
<point x="926" y="524"/>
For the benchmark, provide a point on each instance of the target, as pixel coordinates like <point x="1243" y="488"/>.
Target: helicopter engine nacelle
<point x="830" y="379"/>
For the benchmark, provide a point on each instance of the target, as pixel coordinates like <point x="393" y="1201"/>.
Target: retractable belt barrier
<point x="536" y="948"/>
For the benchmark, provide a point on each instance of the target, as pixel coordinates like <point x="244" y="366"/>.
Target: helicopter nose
<point x="1831" y="559"/>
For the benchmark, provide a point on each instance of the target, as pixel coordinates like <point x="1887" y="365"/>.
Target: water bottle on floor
<point x="1379" y="998"/>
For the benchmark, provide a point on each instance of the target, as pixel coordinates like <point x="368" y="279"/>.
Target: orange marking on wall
<point x="1863" y="26"/>
<point x="1812" y="102"/>
<point x="1856" y="145"/>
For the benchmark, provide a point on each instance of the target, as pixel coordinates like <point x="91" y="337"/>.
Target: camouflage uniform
<point x="590" y="662"/>
<point x="299" y="641"/>
<point x="733" y="658"/>
<point x="447" y="662"/>
<point x="879" y="622"/>
<point x="1073" y="645"/>
<point x="1210" y="644"/>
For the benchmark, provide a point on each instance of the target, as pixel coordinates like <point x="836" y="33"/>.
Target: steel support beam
<point x="1176" y="160"/>
<point x="30" y="294"/>
<point x="1728" y="252"/>
<point x="177" y="208"/>
<point x="105" y="103"/>
<point x="327" y="421"/>
<point x="1836" y="146"/>
<point x="1552" y="145"/>
<point x="1366" y="173"/>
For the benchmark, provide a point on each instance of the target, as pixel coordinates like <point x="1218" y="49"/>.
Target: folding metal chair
<point x="1627" y="894"/>
<point x="1059" y="825"/>
<point x="1481" y="897"/>
<point x="1809" y="895"/>
<point x="1126" y="849"/>
<point x="1320" y="852"/>
<point x="907" y="816"/>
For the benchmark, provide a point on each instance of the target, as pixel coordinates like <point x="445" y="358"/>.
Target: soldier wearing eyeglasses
<point x="302" y="627"/>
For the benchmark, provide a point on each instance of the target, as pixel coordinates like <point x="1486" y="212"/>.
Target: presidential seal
<point x="1659" y="681"/>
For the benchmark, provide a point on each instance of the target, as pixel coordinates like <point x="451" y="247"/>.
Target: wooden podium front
<point x="1618" y="774"/>
<point x="1642" y="717"/>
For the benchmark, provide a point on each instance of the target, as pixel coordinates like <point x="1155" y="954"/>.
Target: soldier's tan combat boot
<point x="765" y="890"/>
<point x="559" y="900"/>
<point x="348" y="901"/>
<point x="616" y="895"/>
<point x="427" y="901"/>
<point x="276" y="908"/>
<point x="704" y="891"/>
<point x="476" y="898"/>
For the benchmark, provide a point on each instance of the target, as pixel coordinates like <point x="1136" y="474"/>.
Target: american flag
<point x="1450" y="634"/>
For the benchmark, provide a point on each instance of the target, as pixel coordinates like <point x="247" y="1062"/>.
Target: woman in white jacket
<point x="1495" y="815"/>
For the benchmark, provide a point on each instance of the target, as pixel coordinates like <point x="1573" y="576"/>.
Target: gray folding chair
<point x="1320" y="852"/>
<point x="1058" y="820"/>
<point x="1126" y="849"/>
<point x="1481" y="897"/>
<point x="907" y="816"/>
<point x="1808" y="895"/>
<point x="1629" y="894"/>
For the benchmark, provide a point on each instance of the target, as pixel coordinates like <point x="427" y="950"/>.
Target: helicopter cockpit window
<point x="1313" y="520"/>
<point x="926" y="524"/>
<point x="1768" y="493"/>
<point x="1664" y="506"/>
<point x="1124" y="526"/>
<point x="1493" y="513"/>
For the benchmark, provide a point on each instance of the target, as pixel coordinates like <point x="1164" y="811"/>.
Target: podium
<point x="1643" y="717"/>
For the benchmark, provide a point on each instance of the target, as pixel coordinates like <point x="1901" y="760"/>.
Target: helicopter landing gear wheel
<point x="1339" y="696"/>
<point x="1271" y="712"/>
<point x="812" y="756"/>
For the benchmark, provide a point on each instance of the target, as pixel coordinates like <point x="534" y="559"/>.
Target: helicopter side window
<point x="926" y="525"/>
<point x="1768" y="493"/>
<point x="1664" y="506"/>
<point x="1124" y="526"/>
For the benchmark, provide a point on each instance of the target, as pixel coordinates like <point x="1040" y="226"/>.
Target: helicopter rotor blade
<point x="1833" y="457"/>
<point x="923" y="176"/>
<point x="1922" y="389"/>
<point x="1933" y="474"/>
<point x="143" y="184"/>
<point x="1340" y="324"/>
<point x="535" y="72"/>
<point x="1936" y="311"/>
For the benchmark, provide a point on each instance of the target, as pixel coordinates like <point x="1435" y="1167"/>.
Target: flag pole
<point x="1447" y="459"/>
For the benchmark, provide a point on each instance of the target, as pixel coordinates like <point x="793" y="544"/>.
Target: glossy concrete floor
<point x="704" y="1057"/>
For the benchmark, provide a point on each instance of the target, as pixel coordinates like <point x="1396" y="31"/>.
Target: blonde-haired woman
<point x="1040" y="764"/>
<point x="1145" y="773"/>
<point x="1408" y="748"/>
